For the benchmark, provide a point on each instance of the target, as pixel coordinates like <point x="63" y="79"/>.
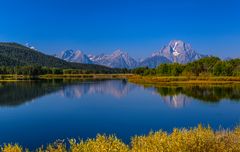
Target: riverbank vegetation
<point x="65" y="77"/>
<point x="188" y="140"/>
<point x="33" y="72"/>
<point x="183" y="79"/>
<point x="205" y="67"/>
<point x="209" y="69"/>
<point x="209" y="66"/>
<point x="205" y="70"/>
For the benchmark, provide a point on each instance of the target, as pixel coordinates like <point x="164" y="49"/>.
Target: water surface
<point x="39" y="112"/>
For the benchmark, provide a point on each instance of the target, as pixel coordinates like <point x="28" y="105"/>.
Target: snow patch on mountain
<point x="30" y="46"/>
<point x="175" y="52"/>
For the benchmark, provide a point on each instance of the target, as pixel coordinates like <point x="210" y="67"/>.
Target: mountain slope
<point x="6" y="61"/>
<point x="154" y="61"/>
<point x="13" y="54"/>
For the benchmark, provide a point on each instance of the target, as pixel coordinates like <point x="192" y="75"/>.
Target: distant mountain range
<point x="13" y="54"/>
<point x="176" y="51"/>
<point x="117" y="59"/>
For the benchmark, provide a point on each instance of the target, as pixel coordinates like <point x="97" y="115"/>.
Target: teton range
<point x="176" y="51"/>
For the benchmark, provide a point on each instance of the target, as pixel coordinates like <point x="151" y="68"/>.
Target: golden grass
<point x="180" y="140"/>
<point x="182" y="79"/>
<point x="131" y="77"/>
<point x="13" y="77"/>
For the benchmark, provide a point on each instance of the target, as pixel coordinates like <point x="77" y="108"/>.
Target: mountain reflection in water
<point x="114" y="88"/>
<point x="176" y="101"/>
<point x="17" y="93"/>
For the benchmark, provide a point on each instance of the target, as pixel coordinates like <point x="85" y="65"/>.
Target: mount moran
<point x="176" y="51"/>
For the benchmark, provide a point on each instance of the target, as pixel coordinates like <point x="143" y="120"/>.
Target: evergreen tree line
<point x="209" y="66"/>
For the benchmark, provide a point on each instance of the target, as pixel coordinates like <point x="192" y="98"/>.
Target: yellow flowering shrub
<point x="192" y="140"/>
<point x="199" y="139"/>
<point x="102" y="143"/>
<point x="11" y="148"/>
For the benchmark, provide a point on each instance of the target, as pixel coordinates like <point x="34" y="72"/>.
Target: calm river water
<point x="39" y="112"/>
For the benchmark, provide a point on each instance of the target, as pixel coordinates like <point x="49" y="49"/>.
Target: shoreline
<point x="183" y="80"/>
<point x="130" y="77"/>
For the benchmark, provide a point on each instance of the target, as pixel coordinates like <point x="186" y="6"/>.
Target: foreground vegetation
<point x="192" y="140"/>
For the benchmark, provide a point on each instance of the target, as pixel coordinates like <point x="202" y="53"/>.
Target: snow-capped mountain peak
<point x="74" y="56"/>
<point x="178" y="51"/>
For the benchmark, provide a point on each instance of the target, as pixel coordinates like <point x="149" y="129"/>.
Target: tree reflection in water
<point x="179" y="95"/>
<point x="17" y="93"/>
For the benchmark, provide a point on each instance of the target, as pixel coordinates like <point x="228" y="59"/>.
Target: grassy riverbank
<point x="131" y="77"/>
<point x="191" y="140"/>
<point x="13" y="77"/>
<point x="83" y="76"/>
<point x="182" y="79"/>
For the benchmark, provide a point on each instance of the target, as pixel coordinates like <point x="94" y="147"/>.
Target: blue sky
<point x="136" y="26"/>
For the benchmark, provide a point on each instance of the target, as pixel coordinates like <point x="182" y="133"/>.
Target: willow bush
<point x="102" y="143"/>
<point x="180" y="140"/>
<point x="11" y="148"/>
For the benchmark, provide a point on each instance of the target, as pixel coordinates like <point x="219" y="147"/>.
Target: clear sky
<point x="136" y="26"/>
